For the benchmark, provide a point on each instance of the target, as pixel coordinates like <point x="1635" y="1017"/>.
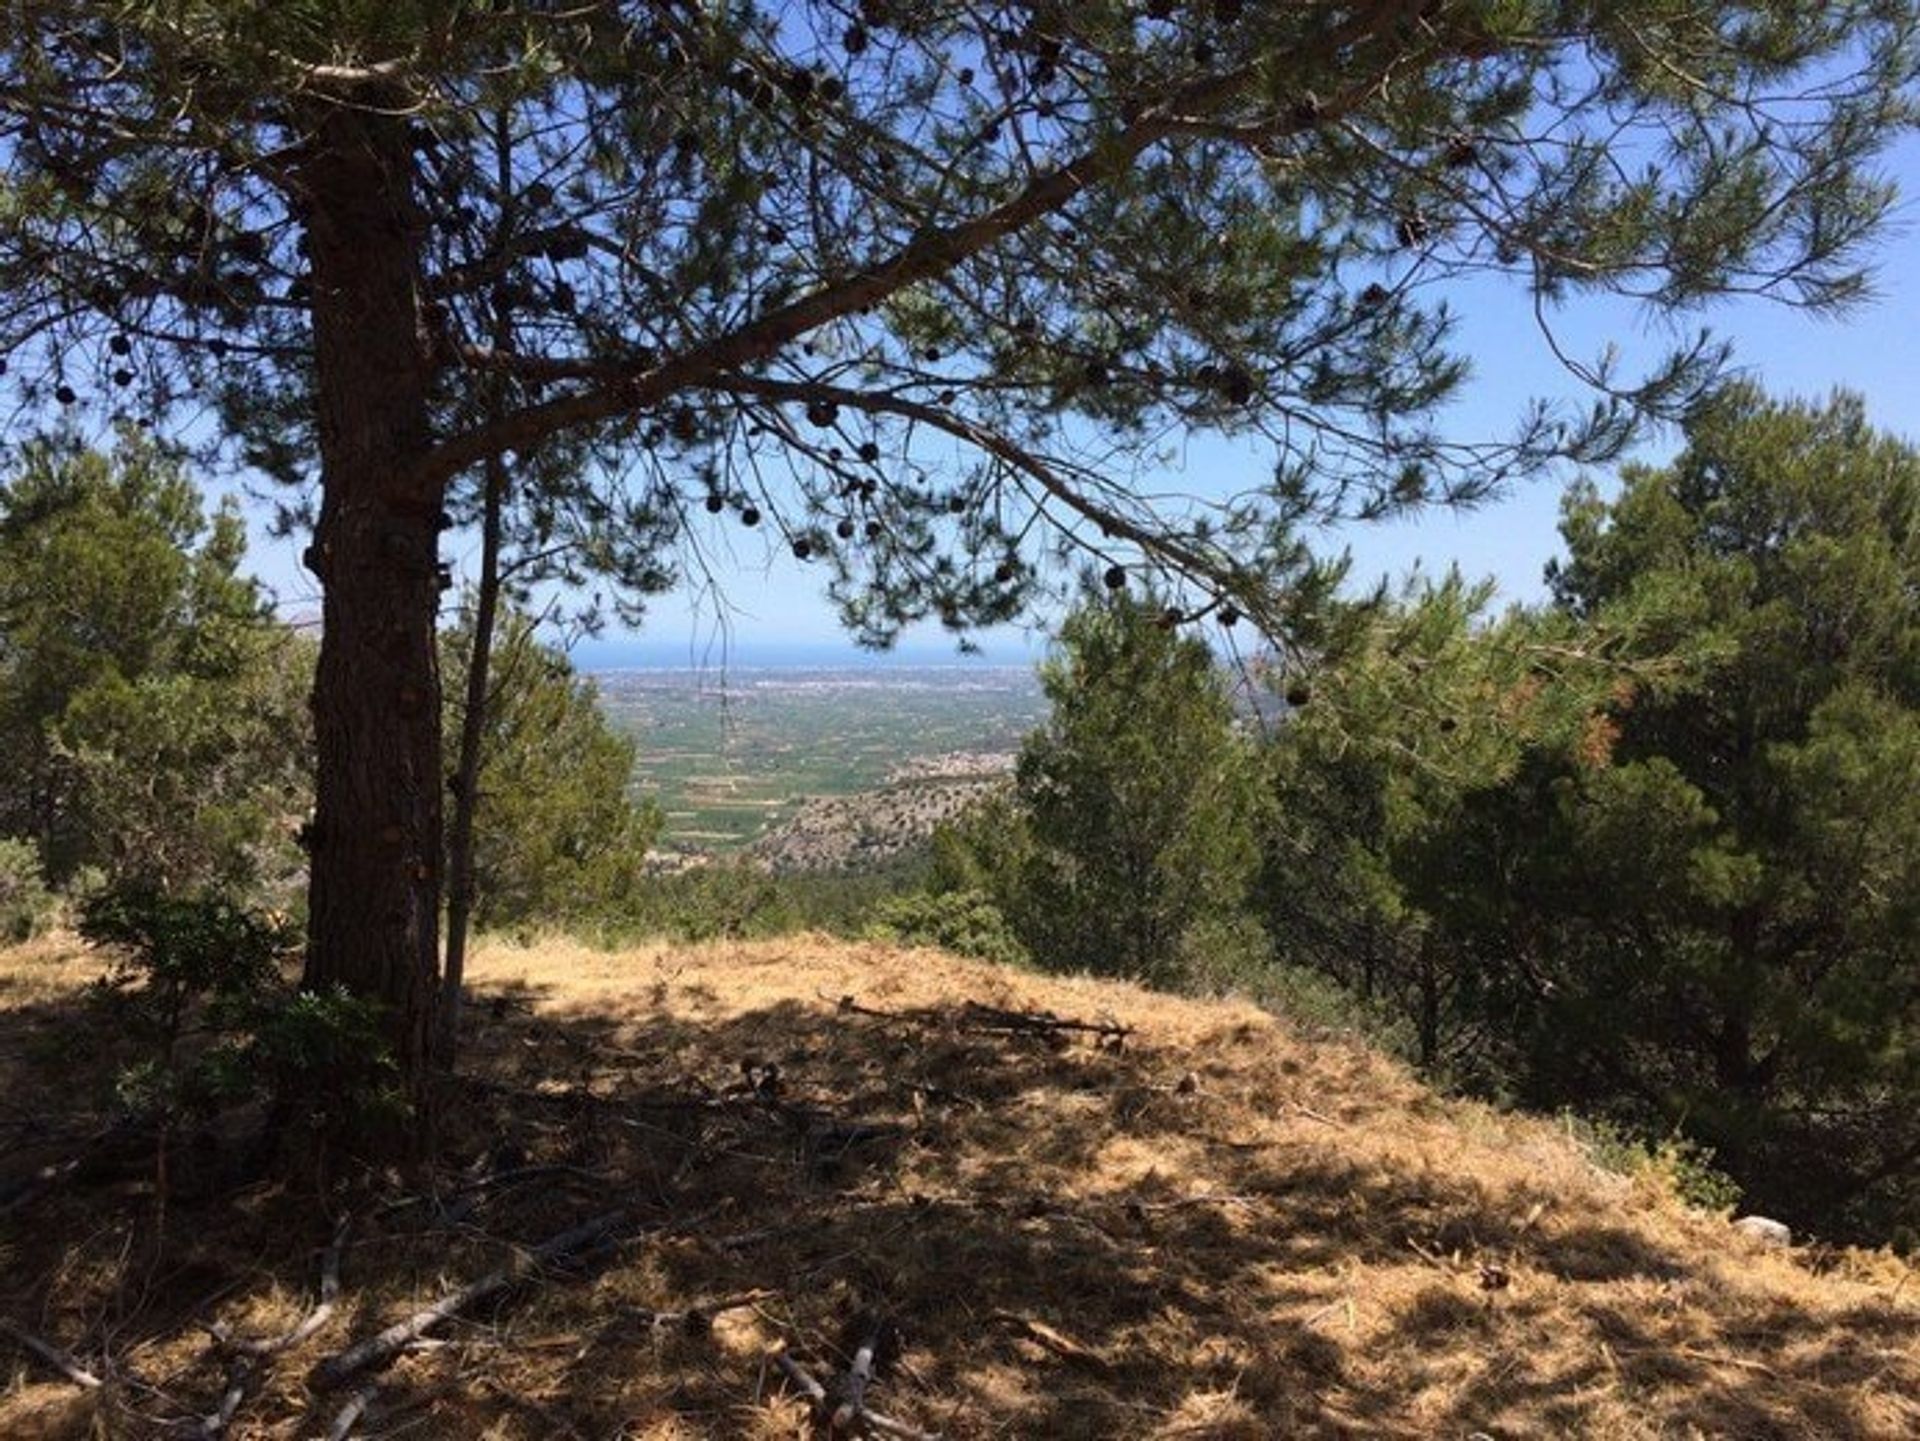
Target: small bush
<point x="332" y="1034"/>
<point x="199" y="978"/>
<point x="173" y="952"/>
<point x="738" y="901"/>
<point x="27" y="907"/>
<point x="964" y="922"/>
<point x="1686" y="1168"/>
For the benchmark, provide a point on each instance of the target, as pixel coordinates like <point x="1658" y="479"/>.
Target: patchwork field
<point x="731" y="756"/>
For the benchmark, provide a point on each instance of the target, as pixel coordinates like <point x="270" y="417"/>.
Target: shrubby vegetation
<point x="737" y="900"/>
<point x="772" y="251"/>
<point x="26" y="904"/>
<point x="199" y="987"/>
<point x="1662" y="867"/>
<point x="152" y="713"/>
<point x="1650" y="851"/>
<point x="558" y="837"/>
<point x="1130" y="843"/>
<point x="967" y="922"/>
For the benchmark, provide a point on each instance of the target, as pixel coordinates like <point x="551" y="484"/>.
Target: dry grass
<point x="1224" y="1229"/>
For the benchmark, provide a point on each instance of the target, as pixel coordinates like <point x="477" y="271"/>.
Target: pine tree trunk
<point x="374" y="889"/>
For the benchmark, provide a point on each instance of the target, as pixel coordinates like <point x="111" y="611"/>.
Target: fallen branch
<point x="853" y="1390"/>
<point x="741" y="1240"/>
<point x="321" y="1313"/>
<point x="378" y="1349"/>
<point x="1055" y="1341"/>
<point x="852" y="1007"/>
<point x="455" y="1204"/>
<point x="1205" y="1198"/>
<point x="62" y="1361"/>
<point x="924" y="1092"/>
<point x="859" y="1415"/>
<point x="977" y="1017"/>
<point x="1344" y="1303"/>
<point x="239" y="1377"/>
<point x="696" y="1319"/>
<point x="349" y="1415"/>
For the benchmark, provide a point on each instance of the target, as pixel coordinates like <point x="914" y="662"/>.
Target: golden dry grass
<point x="1225" y="1228"/>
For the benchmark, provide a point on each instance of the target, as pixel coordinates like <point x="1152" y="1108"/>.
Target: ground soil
<point x="1217" y="1225"/>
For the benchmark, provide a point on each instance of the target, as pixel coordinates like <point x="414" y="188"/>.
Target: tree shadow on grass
<point x="1070" y="1235"/>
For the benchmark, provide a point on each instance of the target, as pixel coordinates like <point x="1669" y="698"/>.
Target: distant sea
<point x="616" y="655"/>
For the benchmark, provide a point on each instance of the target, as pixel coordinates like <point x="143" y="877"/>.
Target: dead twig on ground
<point x="348" y="1416"/>
<point x="858" y="1415"/>
<point x="387" y="1344"/>
<point x="1058" y="1342"/>
<point x="239" y="1380"/>
<point x="62" y="1361"/>
<point x="321" y="1313"/>
<point x="977" y="1017"/>
<point x="250" y="1353"/>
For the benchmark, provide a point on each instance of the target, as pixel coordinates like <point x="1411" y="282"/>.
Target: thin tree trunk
<point x="374" y="874"/>
<point x="466" y="794"/>
<point x="473" y="721"/>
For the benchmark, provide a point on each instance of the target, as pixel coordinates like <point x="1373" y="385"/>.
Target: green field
<point x="729" y="756"/>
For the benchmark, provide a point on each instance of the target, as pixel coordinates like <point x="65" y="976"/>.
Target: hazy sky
<point x="780" y="613"/>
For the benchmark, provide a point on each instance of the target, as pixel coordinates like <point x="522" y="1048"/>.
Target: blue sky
<point x="779" y="615"/>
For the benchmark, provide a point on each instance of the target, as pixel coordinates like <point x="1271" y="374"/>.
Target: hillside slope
<point x="1215" y="1226"/>
<point x="871" y="828"/>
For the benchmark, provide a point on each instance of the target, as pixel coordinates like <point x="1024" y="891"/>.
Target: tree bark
<point x="374" y="887"/>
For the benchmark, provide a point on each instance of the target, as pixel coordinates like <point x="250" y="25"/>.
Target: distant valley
<point x="768" y="758"/>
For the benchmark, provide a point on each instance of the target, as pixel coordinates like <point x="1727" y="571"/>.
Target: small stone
<point x="1765" y="1230"/>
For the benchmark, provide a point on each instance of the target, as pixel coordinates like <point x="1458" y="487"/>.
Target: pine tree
<point x="1139" y="800"/>
<point x="151" y="710"/>
<point x="557" y="836"/>
<point x="914" y="287"/>
<point x="1724" y="908"/>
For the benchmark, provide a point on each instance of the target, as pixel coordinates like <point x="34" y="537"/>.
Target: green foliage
<point x="1431" y="702"/>
<point x="1723" y="913"/>
<point x="27" y="907"/>
<point x="199" y="981"/>
<point x="352" y="243"/>
<point x="557" y="835"/>
<point x="1665" y="870"/>
<point x="736" y="900"/>
<point x="154" y="716"/>
<point x="1136" y="804"/>
<point x="1684" y="1167"/>
<point x="1138" y="222"/>
<point x="335" y="1039"/>
<point x="172" y="952"/>
<point x="965" y="922"/>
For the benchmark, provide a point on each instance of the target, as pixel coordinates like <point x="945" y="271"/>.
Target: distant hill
<point x="895" y="819"/>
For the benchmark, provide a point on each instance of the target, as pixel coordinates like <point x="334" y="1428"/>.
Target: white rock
<point x="1764" y="1230"/>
